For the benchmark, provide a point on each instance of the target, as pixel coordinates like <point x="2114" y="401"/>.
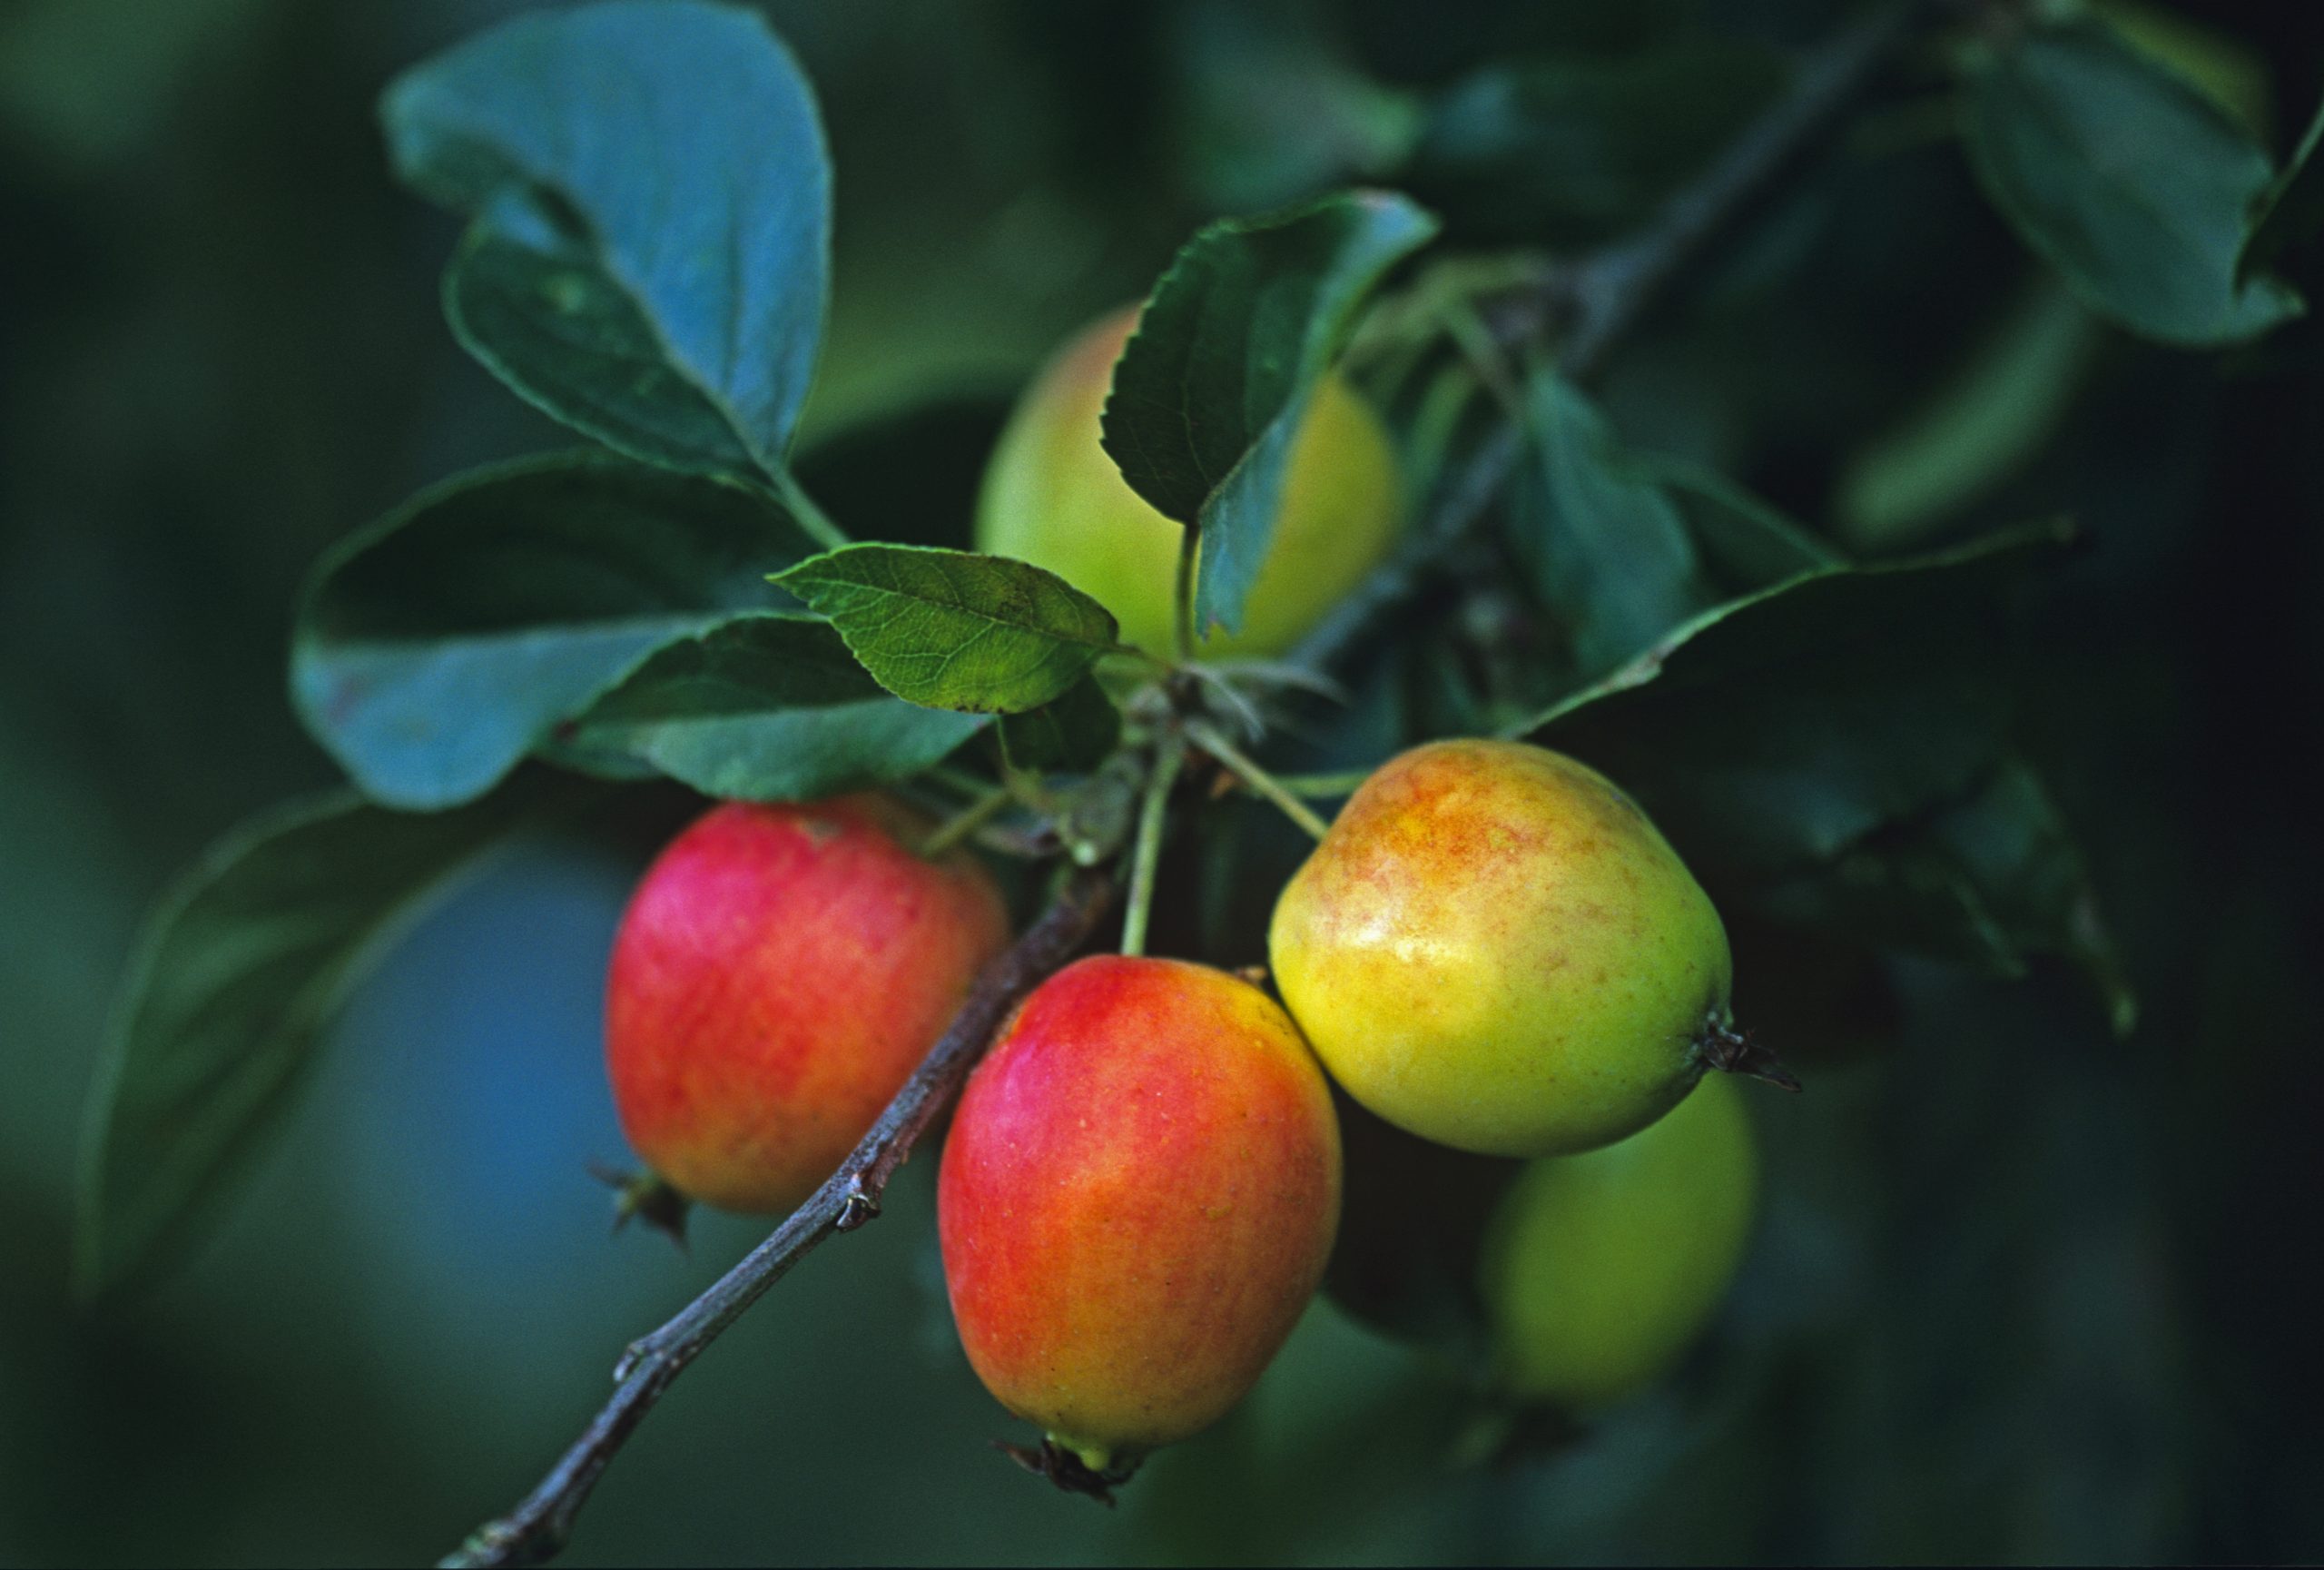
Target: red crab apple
<point x="779" y="973"/>
<point x="1137" y="1200"/>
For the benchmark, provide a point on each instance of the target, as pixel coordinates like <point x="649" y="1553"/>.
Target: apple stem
<point x="1731" y="1051"/>
<point x="1183" y="594"/>
<point x="1209" y="739"/>
<point x="964" y="823"/>
<point x="1145" y="854"/>
<point x="1326" y="786"/>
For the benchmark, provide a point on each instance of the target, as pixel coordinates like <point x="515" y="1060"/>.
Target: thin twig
<point x="1619" y="286"/>
<point x="537" y="1528"/>
<point x="966" y="822"/>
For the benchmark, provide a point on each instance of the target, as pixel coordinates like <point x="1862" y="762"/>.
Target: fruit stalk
<point x="534" y="1531"/>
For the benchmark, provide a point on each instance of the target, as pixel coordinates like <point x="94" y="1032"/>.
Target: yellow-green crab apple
<point x="1599" y="1270"/>
<point x="1494" y="949"/>
<point x="1052" y="496"/>
<point x="779" y="973"/>
<point x="1137" y="1200"/>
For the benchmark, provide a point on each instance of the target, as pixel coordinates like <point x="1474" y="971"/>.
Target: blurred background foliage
<point x="2020" y="1291"/>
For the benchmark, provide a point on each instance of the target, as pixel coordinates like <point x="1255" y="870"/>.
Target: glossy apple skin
<point x="1053" y="497"/>
<point x="778" y="974"/>
<point x="1599" y="1270"/>
<point x="1494" y="949"/>
<point x="1138" y="1197"/>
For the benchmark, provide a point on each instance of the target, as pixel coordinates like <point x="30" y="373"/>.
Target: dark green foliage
<point x="2136" y="188"/>
<point x="1073" y="732"/>
<point x="1571" y="149"/>
<point x="240" y="971"/>
<point x="2021" y="1292"/>
<point x="764" y="709"/>
<point x="437" y="648"/>
<point x="1211" y="389"/>
<point x="1608" y="550"/>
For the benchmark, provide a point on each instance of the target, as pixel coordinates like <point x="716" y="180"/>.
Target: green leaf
<point x="954" y="628"/>
<point x="1210" y="391"/>
<point x="1607" y="550"/>
<point x="1779" y="730"/>
<point x="1987" y="881"/>
<point x="765" y="708"/>
<point x="1743" y="544"/>
<point x="241" y="967"/>
<point x="1836" y="751"/>
<point x="649" y="255"/>
<point x="1578" y="148"/>
<point x="2131" y="182"/>
<point x="2290" y="212"/>
<point x="434" y="649"/>
<point x="1276" y="110"/>
<point x="1073" y="733"/>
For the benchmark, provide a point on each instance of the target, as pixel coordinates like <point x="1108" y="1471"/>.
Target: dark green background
<point x="2020" y="1291"/>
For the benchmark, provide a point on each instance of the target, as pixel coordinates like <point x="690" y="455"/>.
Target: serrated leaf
<point x="651" y="196"/>
<point x="765" y="708"/>
<point x="1073" y="733"/>
<point x="2131" y="182"/>
<point x="1780" y="729"/>
<point x="242" y="968"/>
<point x="1987" y="881"/>
<point x="1836" y="750"/>
<point x="1607" y="550"/>
<point x="1211" y="389"/>
<point x="436" y="649"/>
<point x="954" y="628"/>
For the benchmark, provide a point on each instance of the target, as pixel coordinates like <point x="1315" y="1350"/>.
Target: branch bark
<point x="537" y="1529"/>
<point x="1604" y="298"/>
<point x="1618" y="287"/>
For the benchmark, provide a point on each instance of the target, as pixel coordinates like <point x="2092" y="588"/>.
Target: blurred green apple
<point x="1599" y="1270"/>
<point x="1052" y="496"/>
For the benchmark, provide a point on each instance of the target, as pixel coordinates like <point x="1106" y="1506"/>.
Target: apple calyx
<point x="1720" y="1046"/>
<point x="1068" y="1471"/>
<point x="645" y="1199"/>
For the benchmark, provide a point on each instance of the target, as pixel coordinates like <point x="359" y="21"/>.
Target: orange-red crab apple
<point x="1137" y="1200"/>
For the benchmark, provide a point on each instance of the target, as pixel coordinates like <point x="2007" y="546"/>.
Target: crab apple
<point x="1599" y="1270"/>
<point x="777" y="975"/>
<point x="1137" y="1197"/>
<point x="1494" y="949"/>
<point x="1052" y="496"/>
